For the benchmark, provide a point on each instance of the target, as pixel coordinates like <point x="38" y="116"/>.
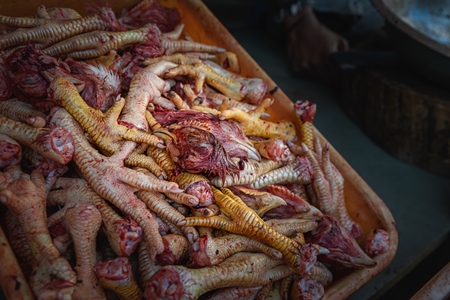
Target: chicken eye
<point x="241" y="165"/>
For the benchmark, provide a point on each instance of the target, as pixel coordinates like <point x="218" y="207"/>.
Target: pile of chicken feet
<point x="137" y="163"/>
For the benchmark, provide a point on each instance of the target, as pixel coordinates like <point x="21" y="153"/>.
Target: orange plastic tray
<point x="363" y="203"/>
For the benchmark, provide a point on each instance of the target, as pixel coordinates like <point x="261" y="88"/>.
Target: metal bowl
<point x="420" y="34"/>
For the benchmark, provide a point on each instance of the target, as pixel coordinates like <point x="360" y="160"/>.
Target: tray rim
<point x="398" y="22"/>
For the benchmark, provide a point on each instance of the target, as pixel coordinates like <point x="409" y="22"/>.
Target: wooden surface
<point x="405" y="114"/>
<point x="438" y="288"/>
<point x="364" y="204"/>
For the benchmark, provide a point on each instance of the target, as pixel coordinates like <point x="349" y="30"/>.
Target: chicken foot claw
<point x="116" y="183"/>
<point x="52" y="274"/>
<point x="103" y="128"/>
<point x="117" y="276"/>
<point x="202" y="73"/>
<point x="83" y="222"/>
<point x="241" y="269"/>
<point x="51" y="31"/>
<point x="55" y="144"/>
<point x="246" y="221"/>
<point x="253" y="125"/>
<point x="123" y="234"/>
<point x="306" y="111"/>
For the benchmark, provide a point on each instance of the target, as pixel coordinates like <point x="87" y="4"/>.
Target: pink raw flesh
<point x="378" y="243"/>
<point x="164" y="285"/>
<point x="130" y="236"/>
<point x="10" y="154"/>
<point x="62" y="143"/>
<point x="305" y="288"/>
<point x="116" y="269"/>
<point x="167" y="257"/>
<point x="197" y="252"/>
<point x="202" y="191"/>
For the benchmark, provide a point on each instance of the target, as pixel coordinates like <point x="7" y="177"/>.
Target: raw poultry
<point x="163" y="170"/>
